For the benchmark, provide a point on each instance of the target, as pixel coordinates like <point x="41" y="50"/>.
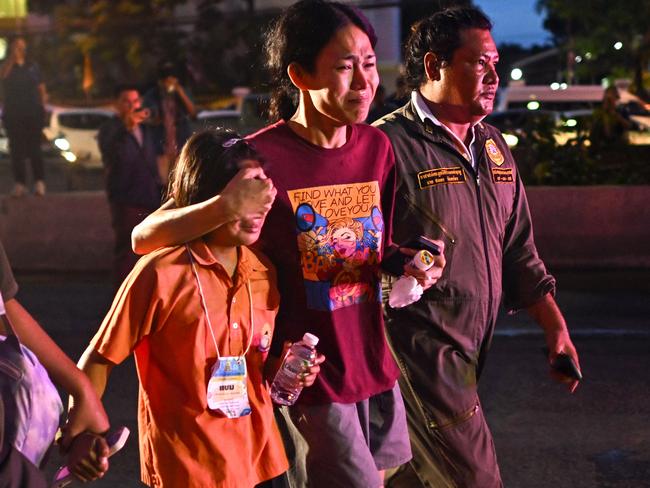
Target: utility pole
<point x="571" y="55"/>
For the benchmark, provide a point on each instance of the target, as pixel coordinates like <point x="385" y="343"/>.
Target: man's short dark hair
<point x="440" y="35"/>
<point x="166" y="68"/>
<point x="122" y="87"/>
<point x="14" y="37"/>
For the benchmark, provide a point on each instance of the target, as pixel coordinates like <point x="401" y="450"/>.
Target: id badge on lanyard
<point x="227" y="390"/>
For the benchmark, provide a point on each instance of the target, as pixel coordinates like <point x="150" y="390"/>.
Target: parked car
<point x="516" y="123"/>
<point x="545" y="97"/>
<point x="574" y="106"/>
<point x="639" y="113"/>
<point x="50" y="149"/>
<point x="75" y="129"/>
<point x="254" y="111"/>
<point x="518" y="118"/>
<point x="252" y="117"/>
<point x="224" y="119"/>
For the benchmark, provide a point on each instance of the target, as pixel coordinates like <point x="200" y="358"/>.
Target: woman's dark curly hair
<point x="298" y="36"/>
<point x="440" y="35"/>
<point x="207" y="162"/>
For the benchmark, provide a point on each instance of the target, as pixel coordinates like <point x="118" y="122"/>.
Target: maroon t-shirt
<point x="325" y="234"/>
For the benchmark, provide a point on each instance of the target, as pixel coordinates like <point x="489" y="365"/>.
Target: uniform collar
<point x="433" y="132"/>
<point x="247" y="264"/>
<point x="422" y="110"/>
<point x="424" y="114"/>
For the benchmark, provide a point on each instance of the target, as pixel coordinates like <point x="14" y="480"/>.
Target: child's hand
<point x="87" y="457"/>
<point x="309" y="376"/>
<point x="86" y="414"/>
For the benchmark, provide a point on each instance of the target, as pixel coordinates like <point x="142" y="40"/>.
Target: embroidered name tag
<point x="441" y="176"/>
<point x="502" y="175"/>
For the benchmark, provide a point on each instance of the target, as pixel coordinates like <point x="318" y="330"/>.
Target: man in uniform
<point x="458" y="183"/>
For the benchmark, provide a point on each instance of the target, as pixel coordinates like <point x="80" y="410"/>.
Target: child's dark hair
<point x="298" y="36"/>
<point x="207" y="162"/>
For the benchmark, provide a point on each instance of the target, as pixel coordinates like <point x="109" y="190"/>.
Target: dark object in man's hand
<point x="394" y="262"/>
<point x="564" y="364"/>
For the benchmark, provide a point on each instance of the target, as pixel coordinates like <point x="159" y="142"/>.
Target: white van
<point x="78" y="126"/>
<point x="569" y="98"/>
<point x="571" y="103"/>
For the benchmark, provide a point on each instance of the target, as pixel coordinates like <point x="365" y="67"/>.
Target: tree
<point x="230" y="55"/>
<point x="589" y="29"/>
<point x="216" y="44"/>
<point x="124" y="39"/>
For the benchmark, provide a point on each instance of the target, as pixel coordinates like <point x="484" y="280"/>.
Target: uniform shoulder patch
<point x="493" y="152"/>
<point x="441" y="176"/>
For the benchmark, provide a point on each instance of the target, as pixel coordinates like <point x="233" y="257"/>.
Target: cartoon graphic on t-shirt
<point x="339" y="237"/>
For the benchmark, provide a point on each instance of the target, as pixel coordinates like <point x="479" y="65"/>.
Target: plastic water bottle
<point x="287" y="384"/>
<point x="406" y="289"/>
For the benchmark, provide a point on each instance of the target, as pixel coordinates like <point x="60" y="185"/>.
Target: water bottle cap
<point x="310" y="339"/>
<point x="423" y="260"/>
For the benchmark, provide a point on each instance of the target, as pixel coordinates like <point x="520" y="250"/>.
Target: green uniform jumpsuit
<point x="442" y="340"/>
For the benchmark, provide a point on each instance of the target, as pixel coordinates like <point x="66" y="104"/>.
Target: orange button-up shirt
<point x="157" y="313"/>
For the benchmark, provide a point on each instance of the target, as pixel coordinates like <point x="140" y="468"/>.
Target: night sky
<point x="515" y="21"/>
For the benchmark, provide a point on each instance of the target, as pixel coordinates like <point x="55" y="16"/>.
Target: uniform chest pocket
<point x="264" y="290"/>
<point x="443" y="282"/>
<point x="500" y="195"/>
<point x="266" y="300"/>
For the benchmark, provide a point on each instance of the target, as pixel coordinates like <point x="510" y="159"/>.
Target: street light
<point x="511" y="139"/>
<point x="516" y="74"/>
<point x="618" y="45"/>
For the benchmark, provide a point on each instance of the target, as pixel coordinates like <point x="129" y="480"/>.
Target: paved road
<point x="597" y="438"/>
<point x="60" y="176"/>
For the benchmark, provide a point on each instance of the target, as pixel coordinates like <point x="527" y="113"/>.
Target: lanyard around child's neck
<point x="207" y="315"/>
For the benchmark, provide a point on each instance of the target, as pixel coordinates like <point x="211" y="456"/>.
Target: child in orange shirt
<point x="199" y="318"/>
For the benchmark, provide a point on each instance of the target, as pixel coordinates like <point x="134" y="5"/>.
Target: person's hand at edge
<point x="87" y="458"/>
<point x="430" y="277"/>
<point x="562" y="344"/>
<point x="249" y="194"/>
<point x="308" y="377"/>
